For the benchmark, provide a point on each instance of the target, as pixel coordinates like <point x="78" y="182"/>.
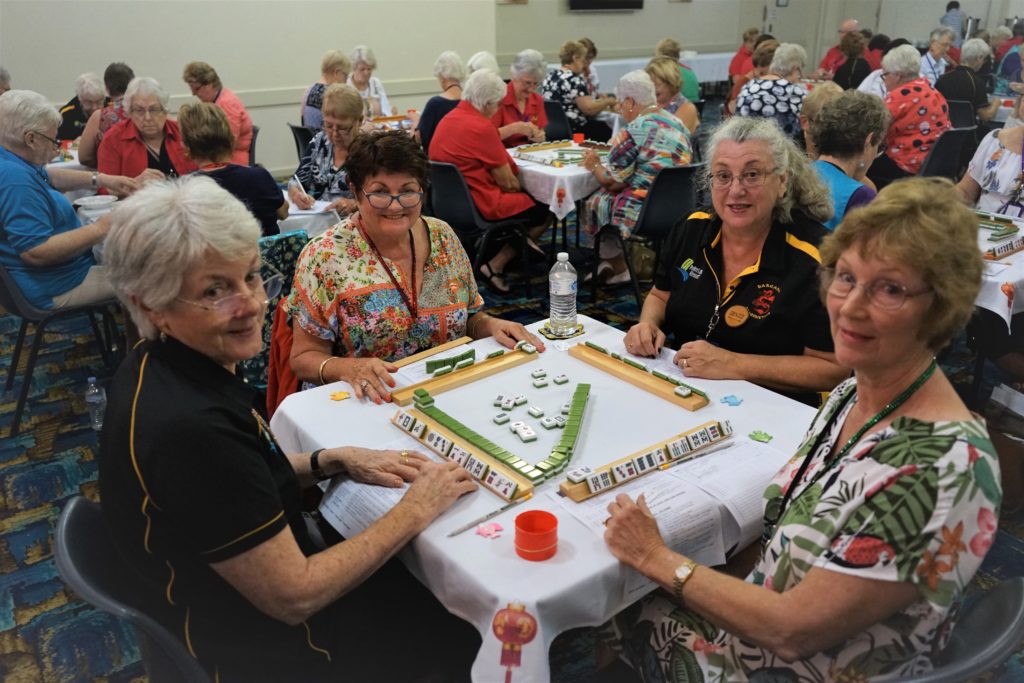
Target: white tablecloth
<point x="314" y="221"/>
<point x="710" y="67"/>
<point x="1000" y="277"/>
<point x="582" y="584"/>
<point x="559" y="188"/>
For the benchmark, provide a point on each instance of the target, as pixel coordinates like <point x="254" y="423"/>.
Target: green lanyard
<point x="776" y="508"/>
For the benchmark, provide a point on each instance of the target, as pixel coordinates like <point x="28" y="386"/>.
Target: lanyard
<point x="776" y="508"/>
<point x="410" y="302"/>
<point x="1014" y="199"/>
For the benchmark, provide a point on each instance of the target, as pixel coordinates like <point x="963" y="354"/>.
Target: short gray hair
<point x="482" y="60"/>
<point x="904" y="60"/>
<point x="449" y="66"/>
<point x="167" y="229"/>
<point x="638" y="86"/>
<point x="806" y="191"/>
<point x="1000" y="33"/>
<point x="89" y="85"/>
<point x="5" y="76"/>
<point x="974" y="51"/>
<point x="22" y="111"/>
<point x="361" y="53"/>
<point x="144" y="85"/>
<point x="529" y="63"/>
<point x="941" y="32"/>
<point x="788" y="56"/>
<point x="483" y="88"/>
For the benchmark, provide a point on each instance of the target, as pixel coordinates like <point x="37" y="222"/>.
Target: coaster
<point x="546" y="332"/>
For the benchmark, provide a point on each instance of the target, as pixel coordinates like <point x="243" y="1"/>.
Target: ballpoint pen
<point x="699" y="454"/>
<point x="490" y="515"/>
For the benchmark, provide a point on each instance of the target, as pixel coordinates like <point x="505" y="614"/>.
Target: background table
<point x="999" y="276"/>
<point x="558" y="187"/>
<point x="709" y="67"/>
<point x="314" y="221"/>
<point x="583" y="584"/>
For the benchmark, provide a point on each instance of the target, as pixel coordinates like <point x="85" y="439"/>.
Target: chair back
<point x="303" y="136"/>
<point x="944" y="159"/>
<point x="89" y="564"/>
<point x="985" y="635"/>
<point x="451" y="200"/>
<point x="700" y="106"/>
<point x="558" y="127"/>
<point x="671" y="197"/>
<point x="14" y="301"/>
<point x="252" y="144"/>
<point x="961" y="114"/>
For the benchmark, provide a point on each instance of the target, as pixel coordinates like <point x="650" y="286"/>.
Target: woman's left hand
<point x="381" y="468"/>
<point x="343" y="206"/>
<point x="590" y="160"/>
<point x="705" y="360"/>
<point x="507" y="333"/>
<point x="631" y="531"/>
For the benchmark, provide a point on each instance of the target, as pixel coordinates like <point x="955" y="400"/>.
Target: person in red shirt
<point x="521" y="117"/>
<point x="203" y="81"/>
<point x="468" y="138"/>
<point x="741" y="61"/>
<point x="1017" y="39"/>
<point x="877" y="46"/>
<point x="834" y="58"/>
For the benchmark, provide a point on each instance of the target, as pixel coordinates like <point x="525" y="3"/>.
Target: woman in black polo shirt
<point x="203" y="503"/>
<point x="737" y="287"/>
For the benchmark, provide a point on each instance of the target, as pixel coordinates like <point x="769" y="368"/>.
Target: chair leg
<point x="17" y="355"/>
<point x="632" y="275"/>
<point x="101" y="340"/>
<point x="26" y="382"/>
<point x="524" y="253"/>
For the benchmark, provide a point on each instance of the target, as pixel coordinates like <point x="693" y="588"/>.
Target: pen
<point x="295" y="177"/>
<point x="490" y="515"/>
<point x="709" y="451"/>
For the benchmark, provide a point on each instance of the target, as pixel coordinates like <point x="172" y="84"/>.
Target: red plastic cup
<point x="577" y="138"/>
<point x="1007" y="103"/>
<point x="536" y="535"/>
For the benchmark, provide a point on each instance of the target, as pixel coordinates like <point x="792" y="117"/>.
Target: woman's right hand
<point x="370" y="377"/>
<point x="435" y="488"/>
<point x="644" y="339"/>
<point x="299" y="198"/>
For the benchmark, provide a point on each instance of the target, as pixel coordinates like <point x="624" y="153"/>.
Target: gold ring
<point x="405" y="457"/>
<point x="685" y="363"/>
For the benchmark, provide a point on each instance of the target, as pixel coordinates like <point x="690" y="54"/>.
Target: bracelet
<point x="95" y="180"/>
<point x="320" y="372"/>
<point x="314" y="465"/>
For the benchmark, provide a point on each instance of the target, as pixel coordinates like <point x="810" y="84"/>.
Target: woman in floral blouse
<point x="386" y="282"/>
<point x="875" y="527"/>
<point x="568" y="87"/>
<point x="321" y="173"/>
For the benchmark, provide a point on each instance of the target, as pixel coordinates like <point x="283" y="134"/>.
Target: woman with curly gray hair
<point x="737" y="286"/>
<point x="849" y="133"/>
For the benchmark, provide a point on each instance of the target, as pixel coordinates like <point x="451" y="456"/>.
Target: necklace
<point x="409" y="301"/>
<point x="776" y="507"/>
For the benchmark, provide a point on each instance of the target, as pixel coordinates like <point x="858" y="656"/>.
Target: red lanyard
<point x="410" y="301"/>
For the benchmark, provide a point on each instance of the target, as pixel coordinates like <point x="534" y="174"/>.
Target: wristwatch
<point x="682" y="574"/>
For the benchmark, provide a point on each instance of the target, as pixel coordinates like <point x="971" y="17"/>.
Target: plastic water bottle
<point x="96" y="399"/>
<point x="562" y="289"/>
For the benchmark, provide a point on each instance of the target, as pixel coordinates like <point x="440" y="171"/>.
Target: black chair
<point x="985" y="635"/>
<point x="961" y="114"/>
<point x="302" y="136"/>
<point x="945" y="159"/>
<point x="454" y="205"/>
<point x="671" y="197"/>
<point x="14" y="301"/>
<point x="558" y="127"/>
<point x="89" y="564"/>
<point x="252" y="145"/>
<point x="700" y="107"/>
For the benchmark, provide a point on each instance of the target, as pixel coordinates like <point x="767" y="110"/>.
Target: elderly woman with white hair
<point x="450" y="73"/>
<point x="736" y="286"/>
<point x="375" y="100"/>
<point x="934" y="62"/>
<point x="147" y="139"/>
<point x="521" y="117"/>
<point x="334" y="68"/>
<point x="482" y="60"/>
<point x="651" y="140"/>
<point x="90" y="96"/>
<point x="919" y="115"/>
<point x="778" y="94"/>
<point x="184" y="259"/>
<point x="468" y="139"/>
<point x="965" y="83"/>
<point x="42" y="244"/>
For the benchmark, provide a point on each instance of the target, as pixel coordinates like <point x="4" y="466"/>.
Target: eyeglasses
<point x="55" y="143"/>
<point x="752" y="178"/>
<point x="231" y="305"/>
<point x="382" y="200"/>
<point x="334" y="129"/>
<point x="884" y="294"/>
<point x="142" y="112"/>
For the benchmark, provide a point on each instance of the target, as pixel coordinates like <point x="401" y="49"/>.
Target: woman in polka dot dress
<point x="778" y="94"/>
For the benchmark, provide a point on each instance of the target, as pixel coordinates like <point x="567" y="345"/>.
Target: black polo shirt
<point x="772" y="308"/>
<point x="191" y="475"/>
<point x="963" y="83"/>
<point x="73" y="120"/>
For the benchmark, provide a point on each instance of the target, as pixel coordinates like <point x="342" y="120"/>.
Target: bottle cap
<point x="563" y="256"/>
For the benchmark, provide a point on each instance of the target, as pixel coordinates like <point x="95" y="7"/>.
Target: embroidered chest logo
<point x="688" y="270"/>
<point x="761" y="306"/>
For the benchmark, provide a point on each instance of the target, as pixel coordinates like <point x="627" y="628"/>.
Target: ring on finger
<point x="363" y="384"/>
<point x="405" y="457"/>
<point x="686" y="363"/>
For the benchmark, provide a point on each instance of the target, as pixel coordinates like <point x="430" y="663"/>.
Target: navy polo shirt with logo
<point x="771" y="308"/>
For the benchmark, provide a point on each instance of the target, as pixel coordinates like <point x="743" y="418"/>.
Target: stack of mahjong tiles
<point x="583" y="482"/>
<point x="636" y="373"/>
<point x="1000" y="229"/>
<point x="442" y="366"/>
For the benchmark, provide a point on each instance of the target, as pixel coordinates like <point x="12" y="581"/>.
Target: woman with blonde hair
<point x="334" y="68"/>
<point x="670" y="47"/>
<point x="567" y="87"/>
<point x="664" y="74"/>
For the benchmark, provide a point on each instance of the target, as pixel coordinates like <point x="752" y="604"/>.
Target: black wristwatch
<point x="314" y="465"/>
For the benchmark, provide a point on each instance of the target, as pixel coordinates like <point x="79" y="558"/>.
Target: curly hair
<point x="843" y="125"/>
<point x="392" y="151"/>
<point x="920" y="223"/>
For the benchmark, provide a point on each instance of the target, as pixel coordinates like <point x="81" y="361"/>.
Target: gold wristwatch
<point x="682" y="574"/>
